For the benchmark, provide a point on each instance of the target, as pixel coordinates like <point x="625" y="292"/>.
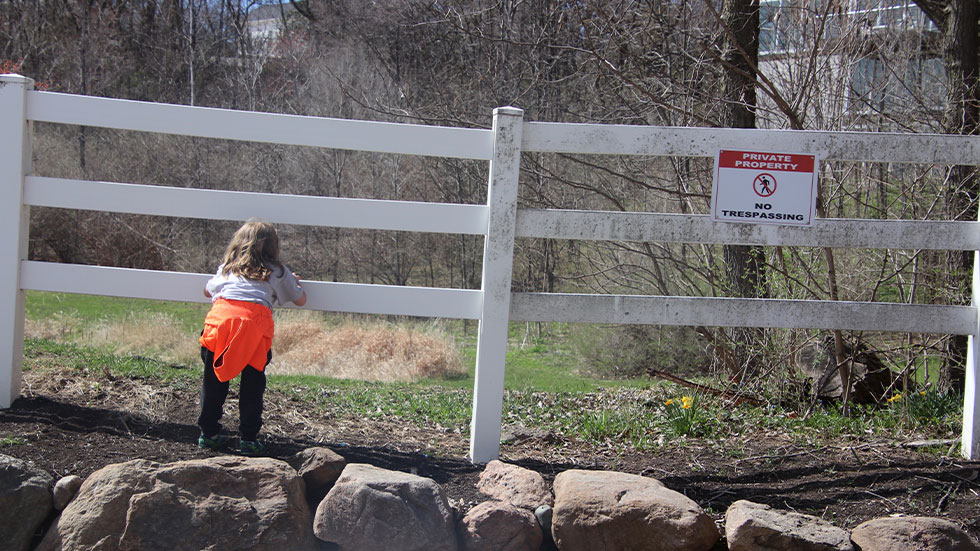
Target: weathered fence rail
<point x="500" y="221"/>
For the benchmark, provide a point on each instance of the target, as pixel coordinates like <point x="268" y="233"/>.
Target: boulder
<point x="610" y="511"/>
<point x="25" y="499"/>
<point x="320" y="468"/>
<point x="374" y="509"/>
<point x="65" y="490"/>
<point x="516" y="485"/>
<point x="756" y="527"/>
<point x="218" y="503"/>
<point x="499" y="526"/>
<point x="911" y="534"/>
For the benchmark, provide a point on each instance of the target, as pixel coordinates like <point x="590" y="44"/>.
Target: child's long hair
<point x="253" y="251"/>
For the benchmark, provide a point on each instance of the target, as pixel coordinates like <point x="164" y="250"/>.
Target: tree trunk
<point x="959" y="21"/>
<point x="745" y="265"/>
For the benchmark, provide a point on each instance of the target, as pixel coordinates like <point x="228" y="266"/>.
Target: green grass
<point x="90" y="310"/>
<point x="537" y="367"/>
<point x="540" y="367"/>
<point x="12" y="441"/>
<point x="599" y="415"/>
<point x="44" y="353"/>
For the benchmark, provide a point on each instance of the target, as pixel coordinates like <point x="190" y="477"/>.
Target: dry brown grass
<point x="150" y="334"/>
<point x="305" y="344"/>
<point x="59" y="327"/>
<point x="362" y="350"/>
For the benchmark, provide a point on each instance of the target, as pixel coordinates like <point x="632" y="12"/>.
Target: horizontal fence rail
<point x="695" y="228"/>
<point x="240" y="205"/>
<point x="500" y="221"/>
<point x="880" y="147"/>
<point x="743" y="312"/>
<point x="472" y="219"/>
<point x="392" y="300"/>
<point x="227" y="124"/>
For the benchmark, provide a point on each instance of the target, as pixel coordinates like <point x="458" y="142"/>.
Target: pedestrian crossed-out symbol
<point x="764" y="185"/>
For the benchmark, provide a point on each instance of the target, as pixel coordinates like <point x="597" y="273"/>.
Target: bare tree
<point x="959" y="22"/>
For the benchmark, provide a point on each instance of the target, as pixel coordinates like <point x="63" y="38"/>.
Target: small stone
<point x="518" y="434"/>
<point x="543" y="514"/>
<point x="516" y="485"/>
<point x="320" y="468"/>
<point x="65" y="490"/>
<point x="499" y="526"/>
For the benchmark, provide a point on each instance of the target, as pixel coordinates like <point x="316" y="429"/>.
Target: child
<point x="238" y="331"/>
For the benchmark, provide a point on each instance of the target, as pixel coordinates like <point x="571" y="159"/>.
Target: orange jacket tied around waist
<point x="240" y="334"/>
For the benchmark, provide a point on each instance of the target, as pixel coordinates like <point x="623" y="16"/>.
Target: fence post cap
<point x="511" y="111"/>
<point x="13" y="78"/>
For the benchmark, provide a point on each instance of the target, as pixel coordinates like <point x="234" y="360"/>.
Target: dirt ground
<point x="69" y="426"/>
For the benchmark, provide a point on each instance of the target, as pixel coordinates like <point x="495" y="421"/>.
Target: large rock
<point x="374" y="509"/>
<point x="320" y="468"/>
<point x="756" y="527"/>
<point x="214" y="504"/>
<point x="516" y="485"/>
<point x="25" y="499"/>
<point x="499" y="526"/>
<point x="609" y="511"/>
<point x="911" y="534"/>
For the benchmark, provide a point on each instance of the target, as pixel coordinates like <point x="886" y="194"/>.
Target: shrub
<point x="626" y="351"/>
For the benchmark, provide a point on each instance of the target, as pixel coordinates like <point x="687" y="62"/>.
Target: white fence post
<point x="969" y="447"/>
<point x="498" y="261"/>
<point x="15" y="164"/>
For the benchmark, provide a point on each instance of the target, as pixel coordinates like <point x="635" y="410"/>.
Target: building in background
<point x="266" y="23"/>
<point x="857" y="64"/>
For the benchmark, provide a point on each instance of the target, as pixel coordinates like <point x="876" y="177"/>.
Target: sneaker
<point x="215" y="442"/>
<point x="251" y="447"/>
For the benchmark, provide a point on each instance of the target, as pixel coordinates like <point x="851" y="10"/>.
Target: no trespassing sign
<point x="764" y="187"/>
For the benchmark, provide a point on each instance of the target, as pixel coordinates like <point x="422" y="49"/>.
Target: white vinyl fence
<point x="499" y="221"/>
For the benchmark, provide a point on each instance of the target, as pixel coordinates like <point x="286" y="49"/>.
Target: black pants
<point x="214" y="392"/>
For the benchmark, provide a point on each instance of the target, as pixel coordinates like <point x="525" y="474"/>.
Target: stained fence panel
<point x="228" y="124"/>
<point x="883" y="147"/>
<point x="188" y="287"/>
<point x="683" y="228"/>
<point x="737" y="312"/>
<point x="237" y="205"/>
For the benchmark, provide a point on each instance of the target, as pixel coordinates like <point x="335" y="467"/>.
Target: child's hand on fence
<point x="301" y="300"/>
